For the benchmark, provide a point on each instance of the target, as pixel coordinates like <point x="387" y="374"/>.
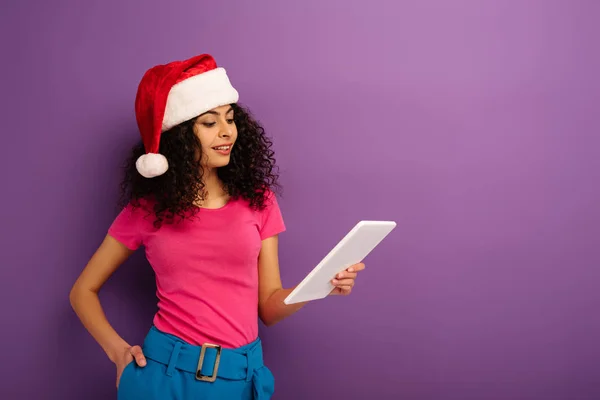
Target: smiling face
<point x="217" y="132"/>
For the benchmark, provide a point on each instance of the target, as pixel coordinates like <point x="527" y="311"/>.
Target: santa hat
<point x="174" y="93"/>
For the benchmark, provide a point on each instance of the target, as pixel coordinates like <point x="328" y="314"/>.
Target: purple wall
<point x="473" y="124"/>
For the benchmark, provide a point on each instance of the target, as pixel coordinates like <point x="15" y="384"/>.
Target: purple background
<point x="473" y="124"/>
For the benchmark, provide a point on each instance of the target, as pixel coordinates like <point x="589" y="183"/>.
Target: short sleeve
<point x="271" y="218"/>
<point x="126" y="228"/>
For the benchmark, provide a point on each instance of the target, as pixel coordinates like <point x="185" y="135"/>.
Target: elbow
<point x="271" y="310"/>
<point x="264" y="319"/>
<point x="73" y="296"/>
<point x="267" y="320"/>
<point x="76" y="294"/>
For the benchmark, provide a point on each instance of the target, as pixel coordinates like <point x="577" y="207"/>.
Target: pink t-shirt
<point x="206" y="268"/>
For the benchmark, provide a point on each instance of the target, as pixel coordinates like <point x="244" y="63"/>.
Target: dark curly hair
<point x="250" y="174"/>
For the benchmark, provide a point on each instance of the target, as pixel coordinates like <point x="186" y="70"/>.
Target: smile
<point x="224" y="149"/>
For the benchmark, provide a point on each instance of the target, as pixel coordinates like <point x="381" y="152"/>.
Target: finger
<point x="356" y="267"/>
<point x="138" y="355"/>
<point x="345" y="290"/>
<point x="341" y="290"/>
<point x="343" y="282"/>
<point x="345" y="274"/>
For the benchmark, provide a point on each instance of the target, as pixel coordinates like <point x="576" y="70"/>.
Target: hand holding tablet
<point x="351" y="250"/>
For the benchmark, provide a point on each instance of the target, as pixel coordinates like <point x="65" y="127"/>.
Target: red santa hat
<point x="174" y="93"/>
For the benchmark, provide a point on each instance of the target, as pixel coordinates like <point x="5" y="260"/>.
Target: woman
<point x="199" y="196"/>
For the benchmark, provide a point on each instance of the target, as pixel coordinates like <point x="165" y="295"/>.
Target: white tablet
<point x="352" y="249"/>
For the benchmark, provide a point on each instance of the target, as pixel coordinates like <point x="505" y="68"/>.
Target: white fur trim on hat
<point x="151" y="164"/>
<point x="196" y="95"/>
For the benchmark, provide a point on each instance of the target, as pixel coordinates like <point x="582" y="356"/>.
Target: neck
<point x="212" y="183"/>
<point x="214" y="194"/>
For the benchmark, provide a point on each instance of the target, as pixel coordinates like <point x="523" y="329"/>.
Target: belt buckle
<point x="213" y="377"/>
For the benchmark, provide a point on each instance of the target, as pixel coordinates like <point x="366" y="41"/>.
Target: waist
<point x="229" y="323"/>
<point x="207" y="362"/>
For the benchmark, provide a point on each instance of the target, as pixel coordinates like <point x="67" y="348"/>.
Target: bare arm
<point x="86" y="304"/>
<point x="271" y="307"/>
<point x="271" y="294"/>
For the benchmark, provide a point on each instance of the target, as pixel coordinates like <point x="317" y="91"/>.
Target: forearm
<point x="86" y="305"/>
<point x="274" y="309"/>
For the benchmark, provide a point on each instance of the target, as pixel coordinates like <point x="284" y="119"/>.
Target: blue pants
<point x="172" y="373"/>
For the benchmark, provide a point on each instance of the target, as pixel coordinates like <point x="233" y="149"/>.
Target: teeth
<point x="221" y="148"/>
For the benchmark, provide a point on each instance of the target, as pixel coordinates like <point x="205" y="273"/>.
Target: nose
<point x="225" y="132"/>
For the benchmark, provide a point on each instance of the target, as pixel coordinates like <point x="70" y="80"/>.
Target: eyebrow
<point x="216" y="113"/>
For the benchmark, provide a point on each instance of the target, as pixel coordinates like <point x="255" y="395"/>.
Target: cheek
<point x="205" y="146"/>
<point x="206" y="138"/>
<point x="201" y="135"/>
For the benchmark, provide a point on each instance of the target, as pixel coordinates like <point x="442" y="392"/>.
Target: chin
<point x="219" y="164"/>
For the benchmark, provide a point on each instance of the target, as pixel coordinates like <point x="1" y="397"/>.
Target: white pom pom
<point x="151" y="165"/>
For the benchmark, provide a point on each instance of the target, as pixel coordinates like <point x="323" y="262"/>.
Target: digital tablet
<point x="352" y="249"/>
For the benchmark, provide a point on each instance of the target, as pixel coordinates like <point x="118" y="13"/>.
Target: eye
<point x="230" y="121"/>
<point x="208" y="124"/>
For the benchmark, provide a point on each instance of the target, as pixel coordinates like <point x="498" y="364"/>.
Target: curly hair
<point x="250" y="174"/>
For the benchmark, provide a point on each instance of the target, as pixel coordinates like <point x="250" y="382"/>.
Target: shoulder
<point x="130" y="224"/>
<point x="271" y="218"/>
<point x="263" y="203"/>
<point x="269" y="196"/>
<point x="136" y="213"/>
<point x="142" y="205"/>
